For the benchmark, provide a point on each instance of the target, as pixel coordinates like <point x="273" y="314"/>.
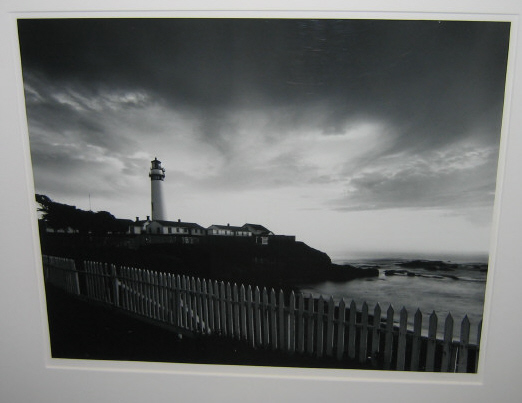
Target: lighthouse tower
<point x="157" y="175"/>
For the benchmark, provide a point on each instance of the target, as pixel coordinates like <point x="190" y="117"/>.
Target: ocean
<point x="457" y="286"/>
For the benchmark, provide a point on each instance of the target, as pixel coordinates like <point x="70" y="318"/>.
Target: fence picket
<point x="363" y="343"/>
<point x="447" y="346"/>
<point x="169" y="298"/>
<point x="432" y="343"/>
<point x="401" y="342"/>
<point x="376" y="335"/>
<point x="230" y="310"/>
<point x="243" y="312"/>
<point x="199" y="304"/>
<point x="352" y="328"/>
<point x="463" y="345"/>
<point x="179" y="302"/>
<point x="236" y="309"/>
<point x="116" y="284"/>
<point x="257" y="317"/>
<point x="282" y="321"/>
<point x="189" y="301"/>
<point x="216" y="303"/>
<point x="273" y="320"/>
<point x="416" y="341"/>
<point x="223" y="308"/>
<point x="310" y="326"/>
<point x="320" y="327"/>
<point x="388" y="338"/>
<point x="477" y="350"/>
<point x="194" y="305"/>
<point x="250" y="317"/>
<point x="330" y="328"/>
<point x="300" y="324"/>
<point x="205" y="303"/>
<point x="265" y="308"/>
<point x="341" y="318"/>
<point x="155" y="295"/>
<point x="291" y="323"/>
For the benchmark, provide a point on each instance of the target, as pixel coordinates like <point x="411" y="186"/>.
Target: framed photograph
<point x="278" y="201"/>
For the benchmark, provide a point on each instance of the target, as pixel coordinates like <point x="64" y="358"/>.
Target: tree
<point x="63" y="216"/>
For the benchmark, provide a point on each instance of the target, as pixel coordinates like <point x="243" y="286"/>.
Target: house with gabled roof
<point x="163" y="227"/>
<point x="257" y="229"/>
<point x="138" y="226"/>
<point x="260" y="232"/>
<point x="228" y="230"/>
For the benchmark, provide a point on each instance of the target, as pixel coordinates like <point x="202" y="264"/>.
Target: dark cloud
<point x="431" y="85"/>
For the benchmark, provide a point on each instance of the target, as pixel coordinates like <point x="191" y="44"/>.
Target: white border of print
<point x="27" y="373"/>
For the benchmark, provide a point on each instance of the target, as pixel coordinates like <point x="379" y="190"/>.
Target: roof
<point x="257" y="227"/>
<point x="227" y="227"/>
<point x="178" y="224"/>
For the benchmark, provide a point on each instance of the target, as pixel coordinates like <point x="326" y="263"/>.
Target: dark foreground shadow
<point x="82" y="330"/>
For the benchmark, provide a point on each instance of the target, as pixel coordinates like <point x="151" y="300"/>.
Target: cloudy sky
<point x="353" y="135"/>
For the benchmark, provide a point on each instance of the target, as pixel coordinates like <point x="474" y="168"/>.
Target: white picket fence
<point x="263" y="318"/>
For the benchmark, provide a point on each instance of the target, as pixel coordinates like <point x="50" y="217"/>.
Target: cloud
<point x="455" y="178"/>
<point x="314" y="117"/>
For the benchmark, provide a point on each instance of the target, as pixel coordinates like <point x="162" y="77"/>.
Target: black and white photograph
<point x="273" y="192"/>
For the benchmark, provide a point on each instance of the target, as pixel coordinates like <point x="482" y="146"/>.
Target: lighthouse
<point x="157" y="176"/>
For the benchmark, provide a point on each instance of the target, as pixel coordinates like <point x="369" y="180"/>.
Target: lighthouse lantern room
<point x="157" y="176"/>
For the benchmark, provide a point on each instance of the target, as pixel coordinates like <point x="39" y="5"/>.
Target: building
<point x="228" y="230"/>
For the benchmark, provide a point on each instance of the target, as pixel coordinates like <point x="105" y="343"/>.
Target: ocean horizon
<point x="453" y="257"/>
